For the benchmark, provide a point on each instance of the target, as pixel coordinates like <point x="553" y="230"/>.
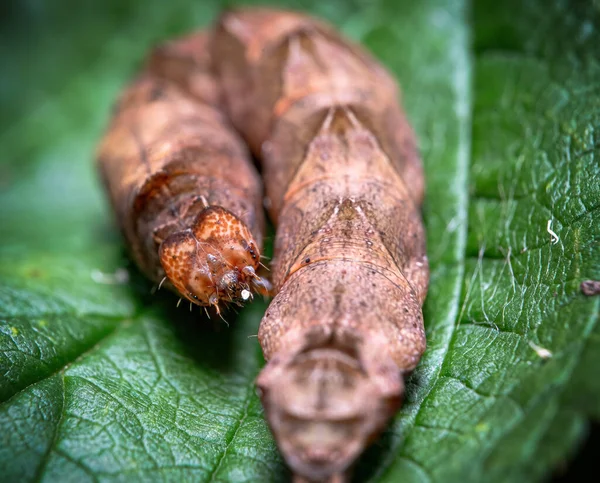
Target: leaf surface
<point x="106" y="382"/>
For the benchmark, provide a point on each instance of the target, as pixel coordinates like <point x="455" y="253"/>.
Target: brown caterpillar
<point x="185" y="193"/>
<point x="345" y="185"/>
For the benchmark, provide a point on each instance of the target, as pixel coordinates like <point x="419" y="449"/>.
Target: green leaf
<point x="104" y="381"/>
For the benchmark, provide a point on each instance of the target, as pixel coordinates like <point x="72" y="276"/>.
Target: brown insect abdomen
<point x="348" y="219"/>
<point x="282" y="71"/>
<point x="168" y="156"/>
<point x="345" y="183"/>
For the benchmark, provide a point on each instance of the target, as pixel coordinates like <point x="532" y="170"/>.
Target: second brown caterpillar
<point x="345" y="185"/>
<point x="181" y="182"/>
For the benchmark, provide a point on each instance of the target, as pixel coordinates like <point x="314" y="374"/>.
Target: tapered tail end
<point x="327" y="400"/>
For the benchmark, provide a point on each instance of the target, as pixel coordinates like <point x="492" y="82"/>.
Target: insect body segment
<point x="345" y="183"/>
<point x="185" y="192"/>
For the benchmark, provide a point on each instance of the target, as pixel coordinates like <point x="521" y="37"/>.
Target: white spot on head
<point x="245" y="294"/>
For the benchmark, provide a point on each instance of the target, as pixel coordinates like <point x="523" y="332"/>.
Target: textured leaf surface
<point x="105" y="382"/>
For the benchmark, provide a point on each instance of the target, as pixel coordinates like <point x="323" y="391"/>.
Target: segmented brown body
<point x="345" y="185"/>
<point x="186" y="195"/>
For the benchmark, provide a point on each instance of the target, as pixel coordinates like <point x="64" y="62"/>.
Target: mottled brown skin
<point x="345" y="185"/>
<point x="181" y="182"/>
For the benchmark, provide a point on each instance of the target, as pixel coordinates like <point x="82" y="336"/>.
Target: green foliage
<point x="107" y="382"/>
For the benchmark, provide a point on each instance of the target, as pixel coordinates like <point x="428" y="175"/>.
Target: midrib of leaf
<point x="55" y="306"/>
<point x="456" y="54"/>
<point x="461" y="83"/>
<point x="229" y="443"/>
<point x="51" y="448"/>
<point x="39" y="474"/>
<point x="240" y="421"/>
<point x="97" y="344"/>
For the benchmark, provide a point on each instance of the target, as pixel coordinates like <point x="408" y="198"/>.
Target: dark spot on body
<point x="157" y="92"/>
